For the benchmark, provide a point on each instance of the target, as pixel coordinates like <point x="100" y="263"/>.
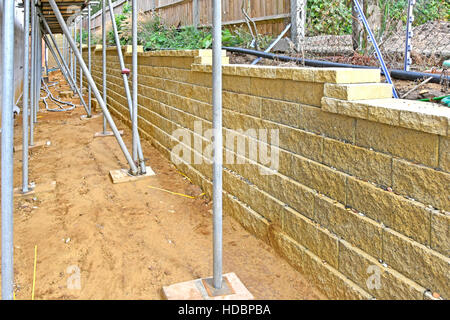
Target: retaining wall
<point x="359" y="203"/>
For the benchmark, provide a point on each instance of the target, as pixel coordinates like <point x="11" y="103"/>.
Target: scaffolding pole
<point x="33" y="69"/>
<point x="105" y="97"/>
<point x="38" y="65"/>
<point x="7" y="150"/>
<point x="138" y="155"/>
<point x="134" y="75"/>
<point x="89" y="57"/>
<point x="218" y="143"/>
<point x="133" y="168"/>
<point x="81" y="52"/>
<point x="73" y="53"/>
<point x="63" y="63"/>
<point x="60" y="66"/>
<point x="25" y="105"/>
<point x="409" y="35"/>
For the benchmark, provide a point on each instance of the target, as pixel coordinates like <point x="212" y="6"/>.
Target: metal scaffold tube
<point x="71" y="81"/>
<point x="33" y="69"/>
<point x="7" y="150"/>
<point x="132" y="101"/>
<point x="73" y="53"/>
<point x="134" y="75"/>
<point x="409" y="35"/>
<point x="218" y="143"/>
<point x="60" y="66"/>
<point x="71" y="56"/>
<point x="81" y="52"/>
<point x="89" y="57"/>
<point x="38" y="66"/>
<point x="133" y="168"/>
<point x="25" y="105"/>
<point x="104" y="61"/>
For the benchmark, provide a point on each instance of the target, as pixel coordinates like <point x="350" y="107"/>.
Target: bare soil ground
<point x="128" y="240"/>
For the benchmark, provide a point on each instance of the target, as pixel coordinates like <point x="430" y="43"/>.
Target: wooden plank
<point x="36" y="145"/>
<point x="122" y="175"/>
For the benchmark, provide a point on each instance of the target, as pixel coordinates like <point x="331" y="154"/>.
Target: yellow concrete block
<point x="360" y="267"/>
<point x="440" y="233"/>
<point x="306" y="144"/>
<point x="424" y="266"/>
<point x="360" y="162"/>
<point x="242" y="103"/>
<point x="129" y="49"/>
<point x="346" y="75"/>
<point x="281" y="111"/>
<point x="331" y="125"/>
<point x="444" y="153"/>
<point x="261" y="202"/>
<point x="310" y="235"/>
<point x="405" y="143"/>
<point x="314" y="175"/>
<point x="208" y="60"/>
<point x="390" y="209"/>
<point x="325" y="277"/>
<point x="359" y="91"/>
<point x="361" y="231"/>
<point x="421" y="183"/>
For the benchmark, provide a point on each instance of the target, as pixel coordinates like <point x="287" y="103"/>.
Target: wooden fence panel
<point x="271" y="16"/>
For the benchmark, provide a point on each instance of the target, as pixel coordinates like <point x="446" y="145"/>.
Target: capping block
<point x="300" y="74"/>
<point x="358" y="91"/>
<point x="417" y="115"/>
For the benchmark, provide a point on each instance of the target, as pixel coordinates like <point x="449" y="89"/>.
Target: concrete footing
<point x="202" y="289"/>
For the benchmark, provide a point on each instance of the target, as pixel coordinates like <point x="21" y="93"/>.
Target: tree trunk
<point x="356" y="27"/>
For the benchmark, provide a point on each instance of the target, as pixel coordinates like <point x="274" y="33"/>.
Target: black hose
<point x="396" y="74"/>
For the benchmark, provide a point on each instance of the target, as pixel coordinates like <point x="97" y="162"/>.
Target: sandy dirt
<point x="128" y="240"/>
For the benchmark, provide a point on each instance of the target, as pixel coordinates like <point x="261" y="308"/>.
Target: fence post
<point x="356" y="27"/>
<point x="298" y="22"/>
<point x="195" y="13"/>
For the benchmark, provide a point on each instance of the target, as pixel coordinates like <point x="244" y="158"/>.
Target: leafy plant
<point x="153" y="34"/>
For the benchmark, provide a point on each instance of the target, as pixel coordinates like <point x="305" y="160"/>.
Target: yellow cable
<point x="171" y="192"/>
<point x="184" y="175"/>
<point x="34" y="272"/>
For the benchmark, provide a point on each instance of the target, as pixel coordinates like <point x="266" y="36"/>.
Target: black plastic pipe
<point x="397" y="74"/>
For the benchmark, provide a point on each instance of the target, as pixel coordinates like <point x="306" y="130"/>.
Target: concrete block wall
<point x="360" y="200"/>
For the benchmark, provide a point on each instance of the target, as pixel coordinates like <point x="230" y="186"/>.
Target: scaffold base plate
<point x="202" y="289"/>
<point x="38" y="188"/>
<point x="94" y="116"/>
